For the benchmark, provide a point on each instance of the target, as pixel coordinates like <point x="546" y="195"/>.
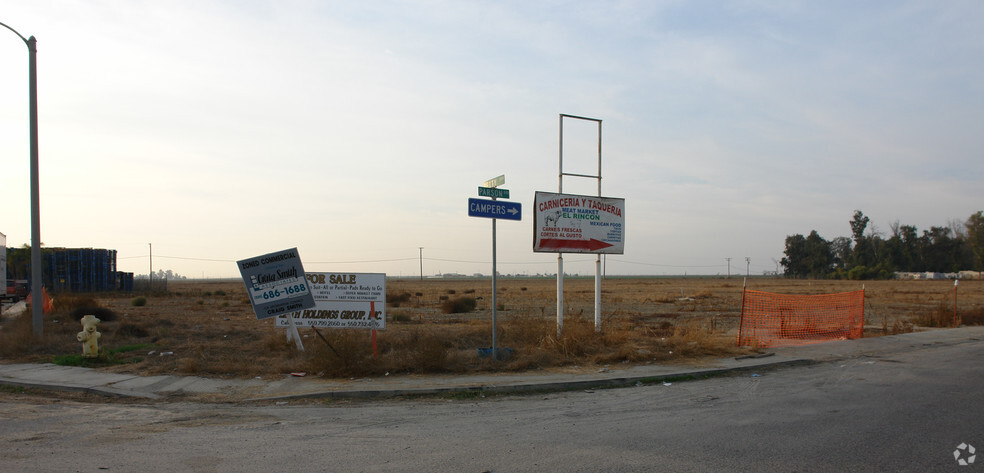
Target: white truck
<point x="14" y="290"/>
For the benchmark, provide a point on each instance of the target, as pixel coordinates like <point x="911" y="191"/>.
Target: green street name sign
<point x="493" y="192"/>
<point x="495" y="181"/>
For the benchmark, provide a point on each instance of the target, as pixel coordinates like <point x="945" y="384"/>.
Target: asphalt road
<point x="907" y="411"/>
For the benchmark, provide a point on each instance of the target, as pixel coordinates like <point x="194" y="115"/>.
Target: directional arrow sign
<point x="495" y="209"/>
<point x="573" y="245"/>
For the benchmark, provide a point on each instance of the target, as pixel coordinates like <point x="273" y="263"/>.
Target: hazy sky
<point x="356" y="131"/>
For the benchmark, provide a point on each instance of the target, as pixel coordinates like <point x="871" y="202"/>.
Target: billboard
<point x="343" y="300"/>
<point x="568" y="223"/>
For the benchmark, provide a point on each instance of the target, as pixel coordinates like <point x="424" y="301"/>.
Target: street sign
<point x="501" y="209"/>
<point x="495" y="181"/>
<point x="493" y="192"/>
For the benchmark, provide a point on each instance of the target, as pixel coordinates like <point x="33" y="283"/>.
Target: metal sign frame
<point x="560" y="256"/>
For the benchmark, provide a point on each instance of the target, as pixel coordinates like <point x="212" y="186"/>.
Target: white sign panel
<point x="568" y="223"/>
<point x="343" y="300"/>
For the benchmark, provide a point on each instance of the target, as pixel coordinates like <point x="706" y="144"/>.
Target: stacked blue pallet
<point x="81" y="270"/>
<point x="124" y="281"/>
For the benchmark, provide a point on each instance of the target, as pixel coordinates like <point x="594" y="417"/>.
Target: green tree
<point x="975" y="239"/>
<point x="939" y="250"/>
<point x="863" y="253"/>
<point x="841" y="248"/>
<point x="809" y="256"/>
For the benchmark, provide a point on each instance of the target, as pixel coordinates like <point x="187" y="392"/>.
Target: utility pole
<point x="729" y="267"/>
<point x="421" y="262"/>
<point x="150" y="275"/>
<point x="37" y="280"/>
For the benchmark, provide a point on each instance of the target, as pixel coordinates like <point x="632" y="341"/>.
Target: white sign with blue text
<point x="343" y="300"/>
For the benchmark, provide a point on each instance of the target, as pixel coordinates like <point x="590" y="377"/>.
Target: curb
<point x="527" y="388"/>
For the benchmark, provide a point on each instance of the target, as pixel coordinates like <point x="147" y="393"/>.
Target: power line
<point x="668" y="265"/>
<point x="449" y="260"/>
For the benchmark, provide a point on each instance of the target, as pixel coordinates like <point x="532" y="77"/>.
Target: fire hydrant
<point x="89" y="337"/>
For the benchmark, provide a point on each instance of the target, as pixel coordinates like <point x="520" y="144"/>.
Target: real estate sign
<point x="568" y="223"/>
<point x="275" y="283"/>
<point x="343" y="300"/>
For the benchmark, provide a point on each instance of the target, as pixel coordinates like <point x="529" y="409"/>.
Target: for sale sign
<point x="343" y="300"/>
<point x="568" y="223"/>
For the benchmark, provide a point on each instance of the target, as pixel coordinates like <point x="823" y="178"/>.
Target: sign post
<point x="495" y="210"/>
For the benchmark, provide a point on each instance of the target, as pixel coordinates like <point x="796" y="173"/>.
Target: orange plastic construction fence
<point x="776" y="320"/>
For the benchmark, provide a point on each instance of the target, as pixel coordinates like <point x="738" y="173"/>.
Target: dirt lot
<point x="208" y="327"/>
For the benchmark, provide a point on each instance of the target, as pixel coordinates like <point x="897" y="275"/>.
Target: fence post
<point x="741" y="316"/>
<point x="956" y="282"/>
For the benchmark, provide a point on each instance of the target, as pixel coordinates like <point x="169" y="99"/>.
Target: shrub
<point x="79" y="306"/>
<point x="395" y="299"/>
<point x="972" y="316"/>
<point x="942" y="316"/>
<point x="459" y="305"/>
<point x="127" y="329"/>
<point x="138" y="301"/>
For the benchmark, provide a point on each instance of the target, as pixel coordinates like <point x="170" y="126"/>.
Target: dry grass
<point x="208" y="328"/>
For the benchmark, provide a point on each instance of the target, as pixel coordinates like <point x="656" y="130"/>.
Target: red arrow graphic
<point x="590" y="245"/>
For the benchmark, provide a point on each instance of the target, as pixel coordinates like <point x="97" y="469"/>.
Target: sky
<point x="209" y="131"/>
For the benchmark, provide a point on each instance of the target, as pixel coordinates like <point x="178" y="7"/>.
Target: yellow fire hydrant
<point x="89" y="337"/>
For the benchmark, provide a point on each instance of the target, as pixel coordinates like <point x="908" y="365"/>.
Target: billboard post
<point x="567" y="239"/>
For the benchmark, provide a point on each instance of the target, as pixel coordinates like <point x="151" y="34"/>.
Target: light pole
<point x="36" y="284"/>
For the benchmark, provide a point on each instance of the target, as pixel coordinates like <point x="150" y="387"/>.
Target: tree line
<point x="945" y="249"/>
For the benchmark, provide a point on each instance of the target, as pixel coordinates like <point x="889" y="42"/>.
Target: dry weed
<point x="646" y="323"/>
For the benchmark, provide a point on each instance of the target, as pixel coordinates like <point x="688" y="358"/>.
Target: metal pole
<point x="37" y="286"/>
<point x="495" y="352"/>
<point x="560" y="256"/>
<point x="741" y="315"/>
<point x="956" y="282"/>
<point x="598" y="260"/>
<point x="37" y="314"/>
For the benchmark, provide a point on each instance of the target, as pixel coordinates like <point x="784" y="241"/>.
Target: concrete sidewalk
<point x="63" y="378"/>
